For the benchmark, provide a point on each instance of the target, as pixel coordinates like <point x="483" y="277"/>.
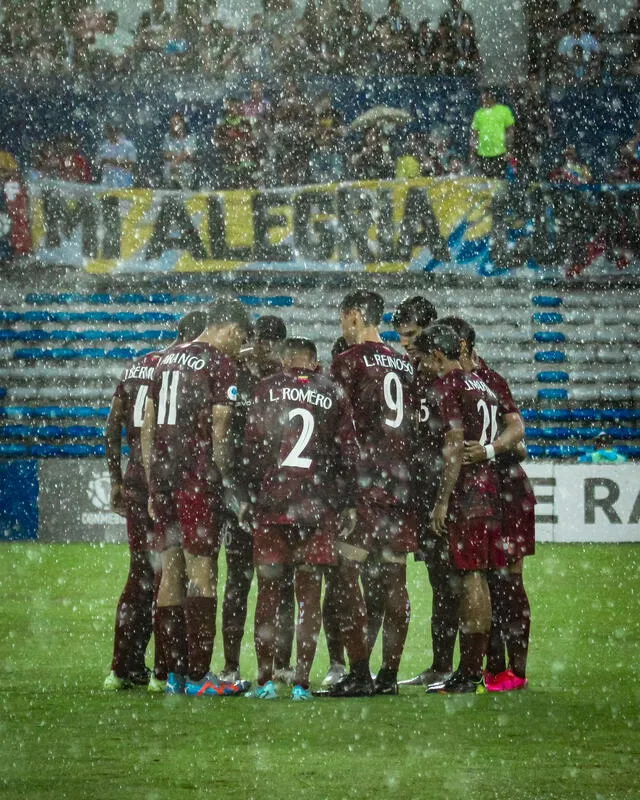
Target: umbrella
<point x="381" y="115"/>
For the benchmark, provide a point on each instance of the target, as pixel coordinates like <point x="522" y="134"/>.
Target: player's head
<point x="339" y="346"/>
<point x="299" y="353"/>
<point x="191" y="326"/>
<point x="269" y="332"/>
<point x="438" y="348"/>
<point x="466" y="334"/>
<point x="412" y="316"/>
<point x="228" y="323"/>
<point x="360" y="310"/>
<point x="603" y="441"/>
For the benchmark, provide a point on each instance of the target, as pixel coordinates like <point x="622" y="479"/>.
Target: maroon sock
<point x="234" y="610"/>
<point x="285" y="621"/>
<point x="496" y="657"/>
<point x="160" y="660"/>
<point x="308" y="584"/>
<point x="374" y="599"/>
<point x="200" y="618"/>
<point x="397" y="614"/>
<point x="518" y="624"/>
<point x="473" y="648"/>
<point x="331" y="621"/>
<point x="170" y="631"/>
<point x="352" y="612"/>
<point x="264" y="626"/>
<point x="444" y="617"/>
<point x="133" y="618"/>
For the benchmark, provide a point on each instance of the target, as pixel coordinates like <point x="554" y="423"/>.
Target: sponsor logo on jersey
<point x="232" y="393"/>
<point x="297" y="395"/>
<point x="389" y="362"/>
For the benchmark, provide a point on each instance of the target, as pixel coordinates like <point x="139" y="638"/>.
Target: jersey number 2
<point x="489" y="418"/>
<point x="294" y="459"/>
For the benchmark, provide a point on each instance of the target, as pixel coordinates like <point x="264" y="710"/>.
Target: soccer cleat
<point x="155" y="685"/>
<point x="140" y="678"/>
<point x="212" y="686"/>
<point x="350" y="686"/>
<point x="384" y="685"/>
<point x="505" y="681"/>
<point x="286" y="675"/>
<point x="229" y="675"/>
<point x="112" y="683"/>
<point x="426" y="678"/>
<point x="175" y="684"/>
<point x="335" y="673"/>
<point x="300" y="693"/>
<point x="458" y="683"/>
<point x="268" y="691"/>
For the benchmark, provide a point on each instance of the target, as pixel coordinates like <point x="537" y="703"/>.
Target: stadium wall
<point x="67" y="501"/>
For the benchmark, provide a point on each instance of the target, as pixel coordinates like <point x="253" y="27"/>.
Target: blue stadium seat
<point x="16" y="431"/>
<point x="66" y="450"/>
<point x="50" y="432"/>
<point x="550" y="356"/>
<point x="158" y="316"/>
<point x="29" y="352"/>
<point x="61" y="353"/>
<point x="37" y="316"/>
<point x="390" y="336"/>
<point x="619" y="414"/>
<point x="3" y="392"/>
<point x="586" y="414"/>
<point x="387" y="317"/>
<point x="92" y="352"/>
<point x="126" y="353"/>
<point x="546" y="301"/>
<point x="13" y="450"/>
<point x="549" y="336"/>
<point x="547" y="318"/>
<point x="98" y="299"/>
<point x="160" y="298"/>
<point x="529" y="414"/>
<point x="553" y="394"/>
<point x="129" y="298"/>
<point x="535" y="450"/>
<point x="145" y="351"/>
<point x="94" y="316"/>
<point x="65" y="336"/>
<point x="560" y="432"/>
<point x="84" y="432"/>
<point x="620" y="432"/>
<point x="9" y="316"/>
<point x="562" y="451"/>
<point x="128" y="317"/>
<point x="194" y="299"/>
<point x="81" y="412"/>
<point x="631" y="451"/>
<point x="39" y="299"/>
<point x="555" y="414"/>
<point x="553" y="376"/>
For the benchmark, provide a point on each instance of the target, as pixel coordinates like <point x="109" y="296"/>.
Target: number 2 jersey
<point x="132" y="391"/>
<point x="300" y="448"/>
<point x="189" y="380"/>
<point x="378" y="382"/>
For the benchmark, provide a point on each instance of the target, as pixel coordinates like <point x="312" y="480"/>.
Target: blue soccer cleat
<point x="175" y="683"/>
<point x="212" y="686"/>
<point x="268" y="691"/>
<point x="300" y="693"/>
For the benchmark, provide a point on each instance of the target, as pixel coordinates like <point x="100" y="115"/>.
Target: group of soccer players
<point x="239" y="438"/>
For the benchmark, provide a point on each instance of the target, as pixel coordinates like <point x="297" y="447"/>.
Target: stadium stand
<point x="569" y="356"/>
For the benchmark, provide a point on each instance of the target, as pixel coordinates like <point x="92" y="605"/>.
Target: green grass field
<point x="574" y="734"/>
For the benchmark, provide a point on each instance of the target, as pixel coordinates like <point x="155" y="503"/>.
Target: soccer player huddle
<point x="320" y="478"/>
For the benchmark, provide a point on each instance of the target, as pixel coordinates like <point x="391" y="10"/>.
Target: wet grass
<point x="574" y="734"/>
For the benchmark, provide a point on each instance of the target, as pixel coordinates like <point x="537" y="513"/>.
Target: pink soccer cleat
<point x="505" y="681"/>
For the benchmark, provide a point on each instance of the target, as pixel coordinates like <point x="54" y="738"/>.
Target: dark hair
<point x="227" y="311"/>
<point x="339" y="346"/>
<point x="415" y="309"/>
<point x="191" y="325"/>
<point x="463" y="329"/>
<point x="369" y="304"/>
<point x="438" y="337"/>
<point x="297" y="344"/>
<point x="269" y="328"/>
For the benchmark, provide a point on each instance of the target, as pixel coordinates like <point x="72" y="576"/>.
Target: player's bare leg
<point x="170" y="630"/>
<point x="308" y="586"/>
<point x="269" y="589"/>
<point x="397" y="612"/>
<point x="285" y="627"/>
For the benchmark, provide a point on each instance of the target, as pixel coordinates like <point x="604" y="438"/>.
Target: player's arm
<point x="221" y="441"/>
<point x="147" y="433"/>
<point x="113" y="446"/>
<point x="452" y="452"/>
<point x="508" y="441"/>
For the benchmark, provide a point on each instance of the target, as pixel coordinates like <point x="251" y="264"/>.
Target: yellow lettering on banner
<point x="238" y="218"/>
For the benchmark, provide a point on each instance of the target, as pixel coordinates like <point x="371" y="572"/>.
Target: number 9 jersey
<point x="379" y="384"/>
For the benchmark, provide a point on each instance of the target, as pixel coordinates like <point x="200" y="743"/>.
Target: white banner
<point x="586" y="503"/>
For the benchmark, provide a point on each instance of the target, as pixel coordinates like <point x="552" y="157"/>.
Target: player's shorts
<point x="139" y="523"/>
<point x="191" y="517"/>
<point x="295" y="544"/>
<point x="518" y="512"/>
<point x="238" y="543"/>
<point x="383" y="527"/>
<point x="477" y="543"/>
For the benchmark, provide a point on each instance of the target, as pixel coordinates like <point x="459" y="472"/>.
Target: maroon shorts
<point x="191" y="517"/>
<point x="139" y="523"/>
<point x="295" y="544"/>
<point x="384" y="527"/>
<point x="238" y="543"/>
<point x="518" y="513"/>
<point x="477" y="543"/>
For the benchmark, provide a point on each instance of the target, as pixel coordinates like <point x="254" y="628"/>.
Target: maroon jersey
<point x="132" y="391"/>
<point x="189" y="380"/>
<point x="378" y="382"/>
<point x="465" y="402"/>
<point x="427" y="458"/>
<point x="300" y="448"/>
